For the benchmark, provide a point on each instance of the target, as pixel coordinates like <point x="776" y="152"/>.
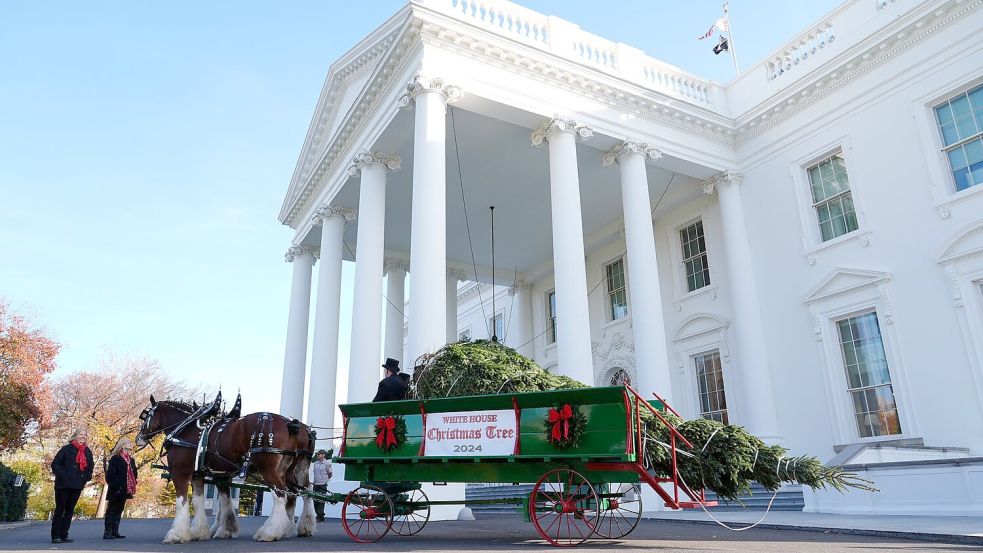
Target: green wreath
<point x="565" y="426"/>
<point x="390" y="432"/>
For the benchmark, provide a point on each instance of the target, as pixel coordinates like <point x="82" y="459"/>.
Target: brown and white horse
<point x="277" y="448"/>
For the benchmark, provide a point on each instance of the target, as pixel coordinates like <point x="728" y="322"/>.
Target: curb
<point x="21" y="524"/>
<point x="914" y="536"/>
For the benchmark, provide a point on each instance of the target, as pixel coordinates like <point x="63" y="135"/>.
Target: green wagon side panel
<point x="485" y="471"/>
<point x="580" y="396"/>
<point x="603" y="440"/>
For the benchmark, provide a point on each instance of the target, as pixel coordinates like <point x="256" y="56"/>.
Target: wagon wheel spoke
<point x="412" y="522"/>
<point x="563" y="507"/>
<point x="367" y="514"/>
<point x="623" y="518"/>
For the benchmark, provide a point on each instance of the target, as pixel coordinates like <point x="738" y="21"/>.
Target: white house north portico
<point x="796" y="251"/>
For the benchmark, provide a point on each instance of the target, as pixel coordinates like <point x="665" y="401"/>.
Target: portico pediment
<point x="966" y="243"/>
<point x="841" y="280"/>
<point x="700" y="323"/>
<point x="343" y="87"/>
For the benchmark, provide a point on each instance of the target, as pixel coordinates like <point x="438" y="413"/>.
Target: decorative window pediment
<point x="966" y="243"/>
<point x="700" y="323"/>
<point x="841" y="280"/>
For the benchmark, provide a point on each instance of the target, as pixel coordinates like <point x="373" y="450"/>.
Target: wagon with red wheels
<point x="580" y="447"/>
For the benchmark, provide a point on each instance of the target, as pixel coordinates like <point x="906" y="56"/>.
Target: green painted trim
<point x="580" y="396"/>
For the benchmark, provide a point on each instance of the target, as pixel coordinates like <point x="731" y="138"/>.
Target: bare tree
<point x="108" y="402"/>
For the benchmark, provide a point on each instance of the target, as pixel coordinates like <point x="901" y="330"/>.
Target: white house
<point x="799" y="251"/>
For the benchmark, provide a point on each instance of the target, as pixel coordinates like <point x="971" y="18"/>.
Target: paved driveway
<point x="489" y="533"/>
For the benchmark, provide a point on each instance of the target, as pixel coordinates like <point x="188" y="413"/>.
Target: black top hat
<point x="391" y="365"/>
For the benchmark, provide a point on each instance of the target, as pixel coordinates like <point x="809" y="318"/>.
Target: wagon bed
<point x="583" y="487"/>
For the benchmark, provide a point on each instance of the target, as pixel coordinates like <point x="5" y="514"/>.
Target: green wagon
<point x="580" y="447"/>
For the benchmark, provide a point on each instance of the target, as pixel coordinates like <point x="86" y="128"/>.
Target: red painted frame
<point x="695" y="498"/>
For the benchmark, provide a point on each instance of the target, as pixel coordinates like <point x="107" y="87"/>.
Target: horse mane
<point x="177" y="404"/>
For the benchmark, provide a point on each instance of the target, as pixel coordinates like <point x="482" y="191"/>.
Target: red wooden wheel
<point x="367" y="514"/>
<point x="416" y="506"/>
<point x="621" y="509"/>
<point x="563" y="507"/>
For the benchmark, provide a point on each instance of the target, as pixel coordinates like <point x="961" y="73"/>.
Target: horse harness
<point x="260" y="441"/>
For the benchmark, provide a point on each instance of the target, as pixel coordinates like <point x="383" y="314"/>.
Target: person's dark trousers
<point x="114" y="513"/>
<point x="61" y="519"/>
<point x="319" y="505"/>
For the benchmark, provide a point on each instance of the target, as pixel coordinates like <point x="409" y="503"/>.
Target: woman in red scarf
<point x="121" y="480"/>
<point x="72" y="467"/>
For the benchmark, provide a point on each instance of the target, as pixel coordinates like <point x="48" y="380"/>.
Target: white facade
<point x="729" y="175"/>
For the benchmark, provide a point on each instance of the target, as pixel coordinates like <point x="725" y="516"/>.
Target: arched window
<point x="620" y="377"/>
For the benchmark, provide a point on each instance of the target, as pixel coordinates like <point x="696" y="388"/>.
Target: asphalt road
<point x="489" y="533"/>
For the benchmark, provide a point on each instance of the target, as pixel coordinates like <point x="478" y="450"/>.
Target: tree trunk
<point x="101" y="508"/>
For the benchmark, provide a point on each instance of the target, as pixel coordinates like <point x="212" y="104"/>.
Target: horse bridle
<point x="146" y="416"/>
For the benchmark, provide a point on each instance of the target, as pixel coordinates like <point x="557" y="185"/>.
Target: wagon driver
<point x="394" y="386"/>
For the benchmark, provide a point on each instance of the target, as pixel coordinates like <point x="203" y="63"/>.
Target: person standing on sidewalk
<point x="72" y="467"/>
<point x="121" y="481"/>
<point x="322" y="473"/>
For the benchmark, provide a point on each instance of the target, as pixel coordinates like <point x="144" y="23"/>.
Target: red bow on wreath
<point x="386" y="437"/>
<point x="561" y="422"/>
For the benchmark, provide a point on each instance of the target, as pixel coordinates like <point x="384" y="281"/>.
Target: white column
<point x="453" y="277"/>
<point x="753" y="367"/>
<point x="395" y="285"/>
<point x="572" y="322"/>
<point x="428" y="233"/>
<point x="295" y="355"/>
<point x="365" y="363"/>
<point x="648" y="324"/>
<point x="518" y="333"/>
<point x="322" y="387"/>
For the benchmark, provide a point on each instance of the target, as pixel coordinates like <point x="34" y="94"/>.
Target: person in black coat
<point x="72" y="467"/>
<point x="121" y="484"/>
<point x="393" y="387"/>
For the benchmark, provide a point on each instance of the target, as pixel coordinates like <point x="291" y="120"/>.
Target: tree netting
<point x="725" y="458"/>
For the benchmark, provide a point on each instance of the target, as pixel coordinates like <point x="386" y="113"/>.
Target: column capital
<point x="457" y="273"/>
<point x="550" y="127"/>
<point x="519" y="286"/>
<point x="294" y="252"/>
<point x="427" y="83"/>
<point x="629" y="147"/>
<point x="329" y="211"/>
<point x="722" y="178"/>
<point x="364" y="159"/>
<point x="392" y="263"/>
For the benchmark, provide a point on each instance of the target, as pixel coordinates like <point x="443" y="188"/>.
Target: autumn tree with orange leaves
<point x="27" y="356"/>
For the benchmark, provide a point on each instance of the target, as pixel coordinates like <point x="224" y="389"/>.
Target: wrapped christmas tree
<point x="725" y="459"/>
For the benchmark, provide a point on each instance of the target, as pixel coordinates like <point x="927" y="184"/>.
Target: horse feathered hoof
<point x="173" y="536"/>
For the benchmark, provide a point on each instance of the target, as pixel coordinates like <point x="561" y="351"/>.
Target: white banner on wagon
<point x="471" y="434"/>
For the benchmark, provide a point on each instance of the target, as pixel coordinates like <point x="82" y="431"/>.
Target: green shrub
<point x="13" y="499"/>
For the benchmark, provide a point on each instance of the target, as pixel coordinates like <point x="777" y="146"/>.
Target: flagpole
<point x="730" y="39"/>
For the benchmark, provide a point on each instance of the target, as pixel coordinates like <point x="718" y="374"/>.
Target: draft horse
<point x="200" y="441"/>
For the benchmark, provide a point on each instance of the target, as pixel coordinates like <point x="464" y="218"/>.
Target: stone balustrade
<point x="797" y="51"/>
<point x="568" y="40"/>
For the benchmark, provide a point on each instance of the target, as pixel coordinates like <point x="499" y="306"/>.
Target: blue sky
<point x="145" y="149"/>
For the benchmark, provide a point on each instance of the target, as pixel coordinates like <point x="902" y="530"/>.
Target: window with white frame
<point x="710" y="378"/>
<point x="498" y="323"/>
<point x="464" y="335"/>
<point x="868" y="377"/>
<point x="695" y="262"/>
<point x="617" y="293"/>
<point x="960" y="122"/>
<point x="551" y="317"/>
<point x="832" y="198"/>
